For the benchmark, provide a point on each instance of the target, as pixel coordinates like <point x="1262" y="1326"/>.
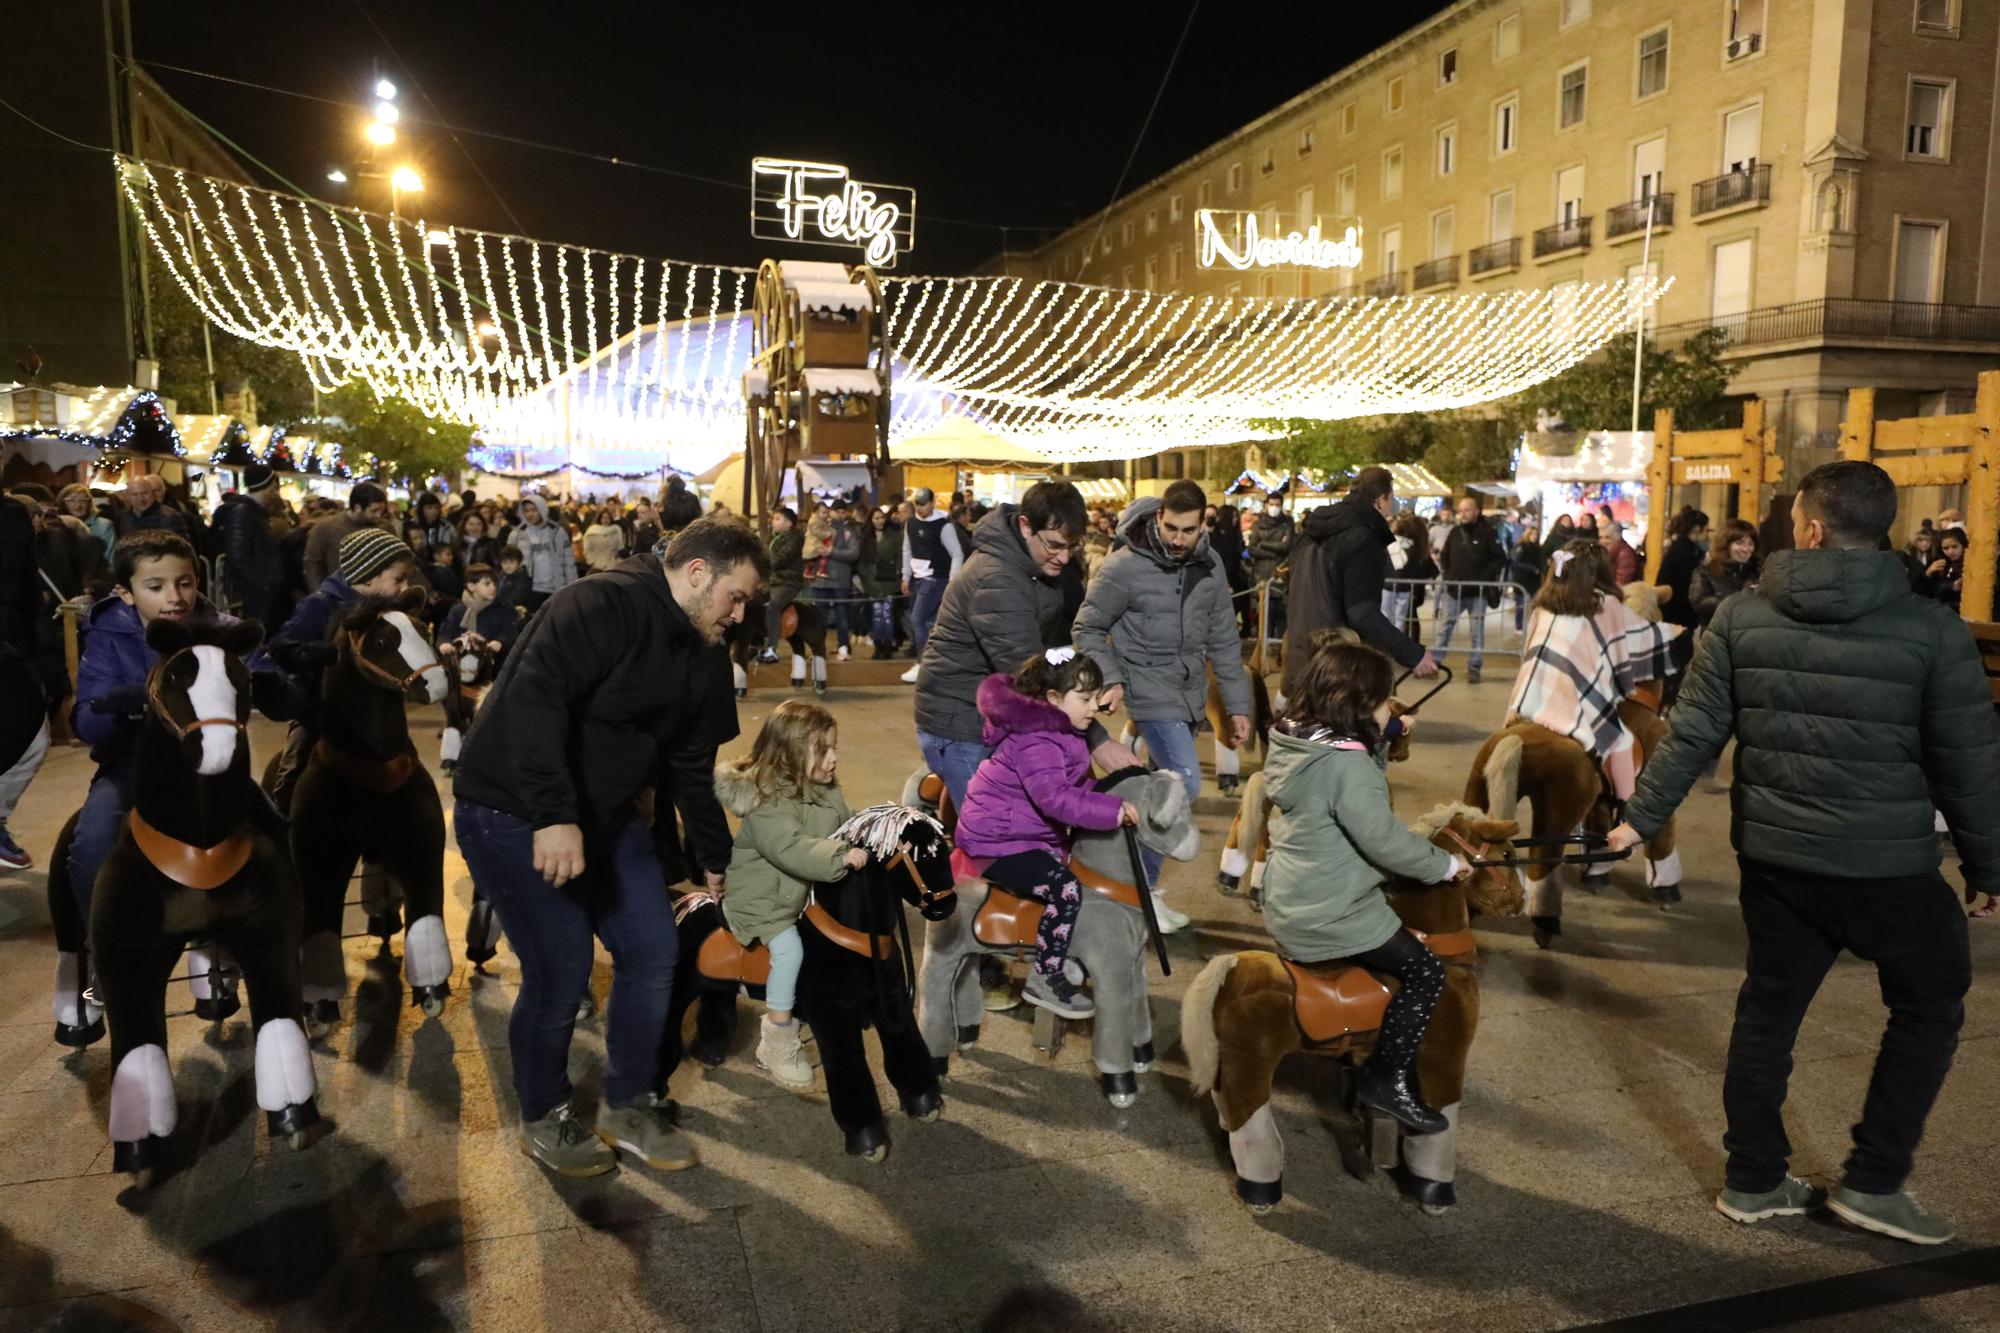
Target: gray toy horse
<point x="1110" y="941"/>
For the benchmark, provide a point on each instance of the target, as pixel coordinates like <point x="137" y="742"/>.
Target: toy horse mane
<point x="881" y="829"/>
<point x="1427" y="825"/>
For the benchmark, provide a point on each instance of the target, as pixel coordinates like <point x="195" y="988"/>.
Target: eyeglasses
<point x="1054" y="548"/>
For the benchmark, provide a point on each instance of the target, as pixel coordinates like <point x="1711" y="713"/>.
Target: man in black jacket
<point x="1474" y="553"/>
<point x="1338" y="567"/>
<point x="249" y="557"/>
<point x="619" y="685"/>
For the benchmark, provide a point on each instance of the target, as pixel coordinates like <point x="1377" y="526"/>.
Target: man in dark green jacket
<point x="1859" y="709"/>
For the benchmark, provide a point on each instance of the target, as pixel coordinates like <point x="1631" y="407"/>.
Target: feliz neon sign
<point x="1249" y="249"/>
<point x="818" y="203"/>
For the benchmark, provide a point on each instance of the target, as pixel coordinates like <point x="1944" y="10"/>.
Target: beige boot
<point x="779" y="1055"/>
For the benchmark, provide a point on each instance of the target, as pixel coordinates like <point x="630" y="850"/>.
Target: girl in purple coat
<point x="1027" y="796"/>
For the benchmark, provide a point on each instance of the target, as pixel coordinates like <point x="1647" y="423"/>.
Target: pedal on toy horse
<point x="1247" y="1011"/>
<point x="192" y="863"/>
<point x="365" y="793"/>
<point x="856" y="973"/>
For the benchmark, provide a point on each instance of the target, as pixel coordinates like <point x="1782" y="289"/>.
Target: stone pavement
<point x="1590" y="1151"/>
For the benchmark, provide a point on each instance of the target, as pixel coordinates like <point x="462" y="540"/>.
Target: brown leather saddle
<point x="722" y="958"/>
<point x="1335" y="1004"/>
<point x="1008" y="921"/>
<point x="191" y="867"/>
<point x="377" y="775"/>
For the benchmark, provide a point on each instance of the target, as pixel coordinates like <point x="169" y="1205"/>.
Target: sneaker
<point x="560" y="1142"/>
<point x="646" y="1129"/>
<point x="909" y="677"/>
<point x="768" y="656"/>
<point x="1472" y="675"/>
<point x="1898" y="1215"/>
<point x="1170" y="920"/>
<point x="12" y="855"/>
<point x="778" y="1054"/>
<point x="1052" y="991"/>
<point x="840" y="655"/>
<point x="1792" y="1198"/>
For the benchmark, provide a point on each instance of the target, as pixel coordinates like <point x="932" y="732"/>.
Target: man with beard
<point x="619" y="685"/>
<point x="1338" y="567"/>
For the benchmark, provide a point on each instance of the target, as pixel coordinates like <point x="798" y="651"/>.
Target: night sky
<point x="1018" y="116"/>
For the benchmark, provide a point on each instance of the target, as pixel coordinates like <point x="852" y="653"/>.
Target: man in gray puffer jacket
<point x="1858" y="708"/>
<point x="1156" y="616"/>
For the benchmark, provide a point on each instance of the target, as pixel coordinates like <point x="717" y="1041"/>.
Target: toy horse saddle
<point x="187" y="865"/>
<point x="723" y="959"/>
<point x="1009" y="921"/>
<point x="377" y="775"/>
<point x="1334" y="1003"/>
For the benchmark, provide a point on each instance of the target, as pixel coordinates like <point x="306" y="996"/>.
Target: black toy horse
<point x="365" y="794"/>
<point x="195" y="860"/>
<point x="857" y="972"/>
<point x="472" y="663"/>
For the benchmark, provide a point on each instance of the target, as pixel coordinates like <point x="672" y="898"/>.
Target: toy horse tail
<point x="1503" y="778"/>
<point x="1204" y="1052"/>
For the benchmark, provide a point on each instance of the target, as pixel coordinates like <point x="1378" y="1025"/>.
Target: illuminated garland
<point x="145" y="409"/>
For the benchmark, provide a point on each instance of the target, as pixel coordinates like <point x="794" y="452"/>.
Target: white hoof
<point x="142" y="1096"/>
<point x="448" y="747"/>
<point x="284" y="1066"/>
<point x="65" y="1003"/>
<point x="426" y="952"/>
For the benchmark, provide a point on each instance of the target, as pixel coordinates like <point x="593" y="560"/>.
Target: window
<point x="1173" y="208"/>
<point x="1125" y="232"/>
<point x="1919" y="246"/>
<point x="1174" y="264"/>
<point x="1233" y="291"/>
<point x="1270" y="220"/>
<point x="1729" y="280"/>
<point x="1746" y="29"/>
<point x="1391" y="250"/>
<point x="1104" y="242"/>
<point x="1936" y="16"/>
<point x="1930" y="105"/>
<point x="1269" y="164"/>
<point x="1125" y="277"/>
<point x="1742" y="131"/>
<point x="1348" y="115"/>
<point x="1344" y="205"/>
<point x="1392" y="96"/>
<point x="1152" y="222"/>
<point x="1500" y="216"/>
<point x="1653" y="63"/>
<point x="1270" y="286"/>
<point x="1392" y="173"/>
<point x="1569" y="194"/>
<point x="1448" y="68"/>
<point x="1574" y="11"/>
<point x="1649" y="167"/>
<point x="1152" y="274"/>
<point x="1447" y="149"/>
<point x="1306" y="141"/>
<point x="1304" y="217"/>
<point x="1506" y="123"/>
<point x="1234" y="182"/>
<point x="1204" y="194"/>
<point x="1507" y="38"/>
<point x="1573" y="97"/>
<point x="1444" y="235"/>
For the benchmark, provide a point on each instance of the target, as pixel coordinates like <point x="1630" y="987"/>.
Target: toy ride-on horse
<point x="364" y="793"/>
<point x="194" y="862"/>
<point x="1247" y="1011"/>
<point x="856" y="973"/>
<point x="472" y="663"/>
<point x="1109" y="942"/>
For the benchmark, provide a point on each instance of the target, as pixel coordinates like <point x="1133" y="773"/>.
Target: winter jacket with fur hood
<point x="547" y="554"/>
<point x="1153" y="624"/>
<point x="784" y="846"/>
<point x="1031" y="791"/>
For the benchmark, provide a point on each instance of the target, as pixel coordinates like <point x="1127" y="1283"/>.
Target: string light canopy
<point x="560" y="349"/>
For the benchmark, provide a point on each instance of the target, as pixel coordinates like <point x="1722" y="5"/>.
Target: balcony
<point x="1437" y="273"/>
<point x="1630" y="219"/>
<point x="1499" y="257"/>
<point x="1840" y="321"/>
<point x="1389" y="284"/>
<point x="1562" y="239"/>
<point x="1750" y="188"/>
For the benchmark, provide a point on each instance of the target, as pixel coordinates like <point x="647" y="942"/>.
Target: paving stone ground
<point x="1590" y="1154"/>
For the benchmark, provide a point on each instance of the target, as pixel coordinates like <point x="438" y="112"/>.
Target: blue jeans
<point x="788" y="955"/>
<point x="954" y="761"/>
<point x="1396" y="606"/>
<point x="1170" y="745"/>
<point x="926" y="595"/>
<point x="621" y="898"/>
<point x="97" y="823"/>
<point x="1449" y="608"/>
<point x="841" y="613"/>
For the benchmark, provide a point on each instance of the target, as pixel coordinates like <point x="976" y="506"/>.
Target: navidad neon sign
<point x="1296" y="249"/>
<point x="820" y="204"/>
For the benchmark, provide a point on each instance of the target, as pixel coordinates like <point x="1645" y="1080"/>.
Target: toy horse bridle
<point x="355" y="640"/>
<point x="927" y="897"/>
<point x="158" y="707"/>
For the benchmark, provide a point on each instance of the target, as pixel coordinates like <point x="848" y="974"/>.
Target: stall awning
<point x="1100" y="490"/>
<point x="960" y="439"/>
<point x="1414" y="479"/>
<point x="1601" y="455"/>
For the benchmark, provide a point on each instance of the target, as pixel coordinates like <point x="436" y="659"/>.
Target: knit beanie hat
<point x="257" y="477"/>
<point x="368" y="551"/>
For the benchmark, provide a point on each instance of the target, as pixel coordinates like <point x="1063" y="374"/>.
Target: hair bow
<point x="1058" y="656"/>
<point x="1560" y="559"/>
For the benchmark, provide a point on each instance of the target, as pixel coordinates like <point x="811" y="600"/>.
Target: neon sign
<point x="1250" y="249"/>
<point x="818" y="203"/>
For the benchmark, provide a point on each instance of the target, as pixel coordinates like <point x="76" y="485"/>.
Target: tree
<point x="404" y="441"/>
<point x="1597" y="394"/>
<point x="1338" y="447"/>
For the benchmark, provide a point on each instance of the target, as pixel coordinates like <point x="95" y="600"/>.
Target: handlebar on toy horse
<point x="1427" y="695"/>
<point x="1145" y="888"/>
<point x="1595" y="851"/>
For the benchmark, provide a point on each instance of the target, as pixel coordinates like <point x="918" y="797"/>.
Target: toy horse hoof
<point x="1596" y="883"/>
<point x="1546" y="929"/>
<point x="927" y="1105"/>
<point x="1142" y="1057"/>
<point x="585" y="1008"/>
<point x="430" y="999"/>
<point x="1121" y="1089"/>
<point x="870" y="1142"/>
<point x="1666" y="895"/>
<point x="77" y="1036"/>
<point x="1434" y="1196"/>
<point x="385" y="926"/>
<point x="482" y="954"/>
<point x="1257" y="899"/>
<point x="294" y="1124"/>
<point x="215" y="1008"/>
<point x="709" y="1057"/>
<point x="968" y="1035"/>
<point x="321" y="1017"/>
<point x="1229" y="884"/>
<point x="139" y="1158"/>
<point x="1261" y="1195"/>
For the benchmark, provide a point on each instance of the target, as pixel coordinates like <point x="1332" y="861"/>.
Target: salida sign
<point x="818" y="203"/>
<point x="1235" y="239"/>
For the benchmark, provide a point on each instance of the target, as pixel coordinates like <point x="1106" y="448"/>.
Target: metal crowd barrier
<point x="1502" y="624"/>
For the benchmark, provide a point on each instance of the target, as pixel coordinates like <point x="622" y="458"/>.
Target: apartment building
<point x="1816" y="173"/>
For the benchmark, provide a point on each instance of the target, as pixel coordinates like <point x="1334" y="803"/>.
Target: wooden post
<point x="1750" y="472"/>
<point x="1857" y="433"/>
<point x="1982" y="501"/>
<point x="1659" y="490"/>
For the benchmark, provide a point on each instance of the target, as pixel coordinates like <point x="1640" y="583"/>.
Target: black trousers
<point x="1914" y="931"/>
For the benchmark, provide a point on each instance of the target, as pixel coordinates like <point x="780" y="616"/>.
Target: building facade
<point x="1818" y="176"/>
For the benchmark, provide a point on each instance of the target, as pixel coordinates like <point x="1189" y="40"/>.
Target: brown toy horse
<point x="1246" y="1012"/>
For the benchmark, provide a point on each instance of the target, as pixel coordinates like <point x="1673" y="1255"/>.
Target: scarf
<point x="1577" y="671"/>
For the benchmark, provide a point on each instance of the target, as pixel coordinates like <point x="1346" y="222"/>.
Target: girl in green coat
<point x="785" y="796"/>
<point x="1333" y="836"/>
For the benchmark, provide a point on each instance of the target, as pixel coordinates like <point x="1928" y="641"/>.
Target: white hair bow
<point x="1560" y="559"/>
<point x="1058" y="656"/>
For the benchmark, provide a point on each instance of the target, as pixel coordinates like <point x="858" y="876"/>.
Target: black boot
<point x="1389" y="1091"/>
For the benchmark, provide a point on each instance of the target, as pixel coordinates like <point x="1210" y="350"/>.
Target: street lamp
<point x="337" y="176"/>
<point x="385" y="89"/>
<point x="403" y="180"/>
<point x="380" y="134"/>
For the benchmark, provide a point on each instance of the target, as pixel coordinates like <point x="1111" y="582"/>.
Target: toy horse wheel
<point x="296" y="1140"/>
<point x="433" y="1006"/>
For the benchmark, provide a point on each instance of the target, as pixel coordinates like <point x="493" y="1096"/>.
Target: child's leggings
<point x="1040" y="876"/>
<point x="1409" y="1014"/>
<point x="788" y="954"/>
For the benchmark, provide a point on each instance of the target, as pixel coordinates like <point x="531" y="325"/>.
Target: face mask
<point x="1273" y="510"/>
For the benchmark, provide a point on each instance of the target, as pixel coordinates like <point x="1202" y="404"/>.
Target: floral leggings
<point x="1040" y="876"/>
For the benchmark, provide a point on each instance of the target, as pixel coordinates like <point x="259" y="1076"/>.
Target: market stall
<point x="1577" y="474"/>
